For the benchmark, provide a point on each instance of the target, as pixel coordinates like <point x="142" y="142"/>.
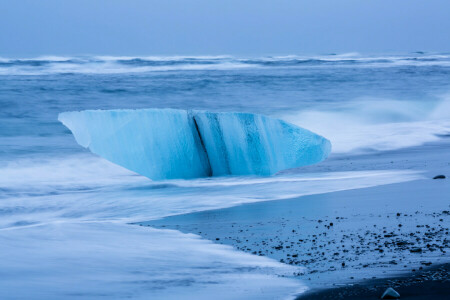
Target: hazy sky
<point x="239" y="27"/>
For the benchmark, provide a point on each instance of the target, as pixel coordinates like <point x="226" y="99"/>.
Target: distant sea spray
<point x="371" y="124"/>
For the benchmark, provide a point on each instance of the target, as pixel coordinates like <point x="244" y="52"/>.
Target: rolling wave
<point x="140" y="64"/>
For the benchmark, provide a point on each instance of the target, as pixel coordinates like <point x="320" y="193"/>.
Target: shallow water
<point x="53" y="192"/>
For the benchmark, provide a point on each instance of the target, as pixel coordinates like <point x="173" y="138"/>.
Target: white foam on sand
<point x="84" y="187"/>
<point x="115" y="261"/>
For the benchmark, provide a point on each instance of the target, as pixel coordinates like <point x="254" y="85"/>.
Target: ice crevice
<point x="203" y="146"/>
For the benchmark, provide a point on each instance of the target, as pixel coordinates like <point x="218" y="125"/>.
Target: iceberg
<point x="170" y="143"/>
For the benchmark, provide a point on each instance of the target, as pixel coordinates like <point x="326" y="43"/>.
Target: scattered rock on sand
<point x="439" y="177"/>
<point x="390" y="293"/>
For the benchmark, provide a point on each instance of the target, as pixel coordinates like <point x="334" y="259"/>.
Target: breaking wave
<point x="378" y="124"/>
<point x="140" y="64"/>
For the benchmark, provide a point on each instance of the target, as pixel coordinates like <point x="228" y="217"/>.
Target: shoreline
<point x="344" y="237"/>
<point x="336" y="236"/>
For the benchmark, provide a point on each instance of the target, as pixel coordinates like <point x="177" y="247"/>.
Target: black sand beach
<point x="432" y="283"/>
<point x="348" y="237"/>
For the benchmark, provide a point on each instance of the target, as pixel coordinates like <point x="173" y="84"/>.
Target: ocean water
<point x="66" y="213"/>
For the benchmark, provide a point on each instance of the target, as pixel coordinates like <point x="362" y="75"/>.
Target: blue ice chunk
<point x="157" y="143"/>
<point x="168" y="143"/>
<point x="243" y="143"/>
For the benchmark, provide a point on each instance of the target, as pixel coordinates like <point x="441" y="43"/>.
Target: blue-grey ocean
<point x="65" y="213"/>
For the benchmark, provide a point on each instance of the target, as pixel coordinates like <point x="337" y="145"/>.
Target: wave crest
<point x="44" y="65"/>
<point x="378" y="124"/>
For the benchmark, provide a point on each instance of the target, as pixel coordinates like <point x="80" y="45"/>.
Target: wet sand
<point x="347" y="237"/>
<point x="339" y="237"/>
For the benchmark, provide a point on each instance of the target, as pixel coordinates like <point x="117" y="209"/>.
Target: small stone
<point x="390" y="293"/>
<point x="439" y="177"/>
